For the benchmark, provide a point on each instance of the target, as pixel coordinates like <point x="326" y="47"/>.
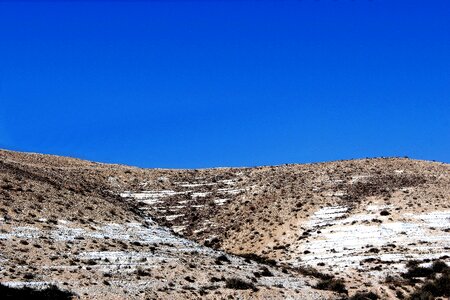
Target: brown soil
<point x="268" y="212"/>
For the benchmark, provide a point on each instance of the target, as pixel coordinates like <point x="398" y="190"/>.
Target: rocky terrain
<point x="358" y="228"/>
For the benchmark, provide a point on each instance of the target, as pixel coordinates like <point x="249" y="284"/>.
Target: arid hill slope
<point x="64" y="222"/>
<point x="361" y="220"/>
<point x="96" y="228"/>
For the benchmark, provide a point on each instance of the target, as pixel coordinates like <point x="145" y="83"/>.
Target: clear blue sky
<point x="187" y="84"/>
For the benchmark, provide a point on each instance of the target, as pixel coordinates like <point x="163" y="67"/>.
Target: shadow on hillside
<point x="50" y="293"/>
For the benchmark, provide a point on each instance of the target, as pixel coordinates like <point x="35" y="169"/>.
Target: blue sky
<point x="189" y="84"/>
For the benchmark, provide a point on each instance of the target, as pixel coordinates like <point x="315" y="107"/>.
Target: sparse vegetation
<point x="310" y="271"/>
<point x="364" y="296"/>
<point x="239" y="284"/>
<point x="259" y="259"/>
<point x="437" y="285"/>
<point x="142" y="272"/>
<point x="265" y="213"/>
<point x="384" y="213"/>
<point x="222" y="259"/>
<point x="25" y="293"/>
<point x="335" y="285"/>
<point x="264" y="271"/>
<point x="415" y="270"/>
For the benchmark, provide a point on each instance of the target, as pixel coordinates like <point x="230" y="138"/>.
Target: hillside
<point x="114" y="232"/>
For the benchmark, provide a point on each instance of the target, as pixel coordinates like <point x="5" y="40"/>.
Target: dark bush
<point x="414" y="270"/>
<point x="221" y="259"/>
<point x="142" y="272"/>
<point x="439" y="266"/>
<point x="396" y="280"/>
<point x="213" y="243"/>
<point x="265" y="272"/>
<point x="25" y="293"/>
<point x="400" y="295"/>
<point x="438" y="287"/>
<point x="422" y="296"/>
<point x="239" y="284"/>
<point x="441" y="285"/>
<point x="335" y="285"/>
<point x="364" y="296"/>
<point x="91" y="262"/>
<point x="216" y="279"/>
<point x="259" y="259"/>
<point x="310" y="271"/>
<point x="205" y="289"/>
<point x="417" y="271"/>
<point x="28" y="276"/>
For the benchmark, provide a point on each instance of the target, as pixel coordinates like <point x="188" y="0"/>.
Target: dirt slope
<point x="359" y="220"/>
<point x="64" y="222"/>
